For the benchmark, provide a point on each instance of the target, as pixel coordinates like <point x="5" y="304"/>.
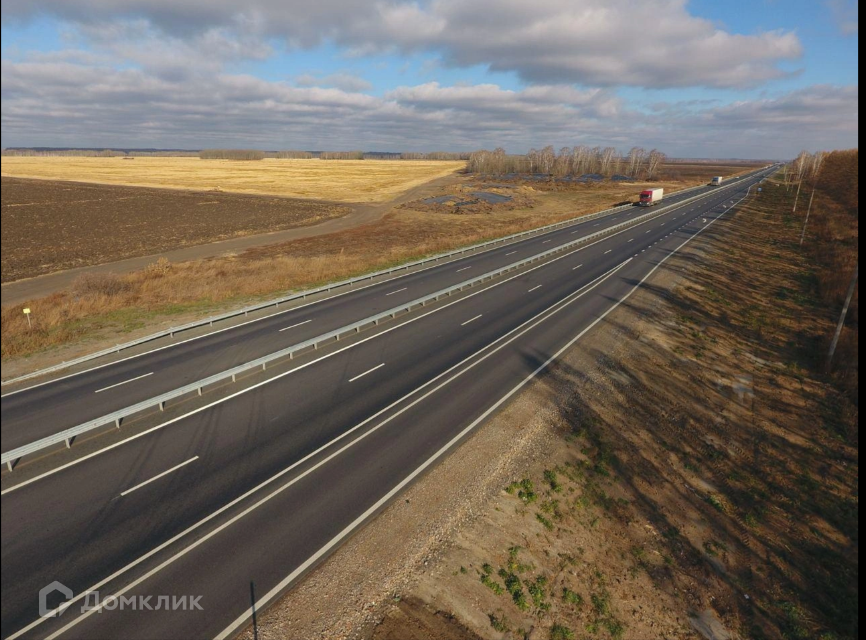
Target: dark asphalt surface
<point x="264" y="488"/>
<point x="40" y="411"/>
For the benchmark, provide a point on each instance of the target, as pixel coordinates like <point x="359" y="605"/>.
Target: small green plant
<point x="560" y="632"/>
<point x="601" y="603"/>
<point x="547" y="523"/>
<point x="513" y="565"/>
<point x="500" y="624"/>
<point x="489" y="582"/>
<point x="571" y="597"/>
<point x="524" y="490"/>
<point x="536" y="590"/>
<point x="515" y="588"/>
<point x="550" y="477"/>
<point x="716" y="502"/>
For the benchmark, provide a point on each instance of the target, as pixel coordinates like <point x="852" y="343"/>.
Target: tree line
<point x="242" y="154"/>
<point x="570" y="161"/>
<point x="231" y="154"/>
<point x="806" y="166"/>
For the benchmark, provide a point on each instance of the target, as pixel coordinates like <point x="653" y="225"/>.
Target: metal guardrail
<point x="301" y="295"/>
<point x="68" y="435"/>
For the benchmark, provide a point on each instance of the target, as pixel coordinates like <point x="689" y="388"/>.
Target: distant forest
<point x="235" y="154"/>
<point x="570" y="161"/>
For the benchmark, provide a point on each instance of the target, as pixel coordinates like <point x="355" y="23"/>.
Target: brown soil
<point x="681" y="473"/>
<point x="53" y="225"/>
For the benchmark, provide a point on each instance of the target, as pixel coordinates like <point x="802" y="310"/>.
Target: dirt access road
<point x="359" y="215"/>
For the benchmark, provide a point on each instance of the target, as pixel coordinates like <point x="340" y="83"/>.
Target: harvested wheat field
<point x="338" y="180"/>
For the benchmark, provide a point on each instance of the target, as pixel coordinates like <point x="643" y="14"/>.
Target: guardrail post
<point x="264" y="366"/>
<point x="234" y="378"/>
<point x="68" y="442"/>
<point x="117" y="422"/>
<point x="162" y="406"/>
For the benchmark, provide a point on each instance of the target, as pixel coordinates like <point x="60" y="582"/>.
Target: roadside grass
<point x="193" y="289"/>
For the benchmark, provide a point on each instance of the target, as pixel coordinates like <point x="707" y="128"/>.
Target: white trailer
<point x="717" y="181"/>
<point x="649" y="197"/>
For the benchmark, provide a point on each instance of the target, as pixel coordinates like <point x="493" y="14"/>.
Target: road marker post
<point x="27" y="315"/>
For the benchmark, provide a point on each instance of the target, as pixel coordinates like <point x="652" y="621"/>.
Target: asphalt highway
<point x="44" y="409"/>
<point x="257" y="488"/>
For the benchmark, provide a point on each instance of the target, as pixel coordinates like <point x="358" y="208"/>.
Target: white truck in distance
<point x="649" y="197"/>
<point x="717" y="181"/>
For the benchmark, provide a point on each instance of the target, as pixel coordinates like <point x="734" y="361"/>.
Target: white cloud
<point x="80" y="101"/>
<point x="653" y="43"/>
<point x="341" y="80"/>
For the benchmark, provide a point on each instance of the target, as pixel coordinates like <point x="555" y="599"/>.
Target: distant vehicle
<point x="650" y="197"/>
<point x="717" y="181"/>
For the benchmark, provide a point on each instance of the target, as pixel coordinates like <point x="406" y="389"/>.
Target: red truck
<point x="650" y="197"/>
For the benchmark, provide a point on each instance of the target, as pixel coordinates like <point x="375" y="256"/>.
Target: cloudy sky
<point x="744" y="78"/>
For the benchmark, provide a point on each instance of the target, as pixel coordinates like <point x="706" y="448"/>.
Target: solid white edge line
<point x="296" y="325"/>
<point x="336" y="540"/>
<point x="358" y="377"/>
<point x="312" y="362"/>
<point x="574" y="296"/>
<point x="157" y="477"/>
<point x="463" y="324"/>
<point x="124" y="382"/>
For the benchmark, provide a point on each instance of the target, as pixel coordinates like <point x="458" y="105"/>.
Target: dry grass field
<point x="337" y="180"/>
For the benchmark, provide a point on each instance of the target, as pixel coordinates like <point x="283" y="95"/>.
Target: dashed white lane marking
<point x="157" y="477"/>
<point x="608" y="251"/>
<point x="296" y="325"/>
<point x="534" y="288"/>
<point x="463" y="324"/>
<point x="512" y="253"/>
<point x="463" y="269"/>
<point x="577" y="267"/>
<point x="124" y="382"/>
<point x="378" y="366"/>
<point x="397" y="291"/>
